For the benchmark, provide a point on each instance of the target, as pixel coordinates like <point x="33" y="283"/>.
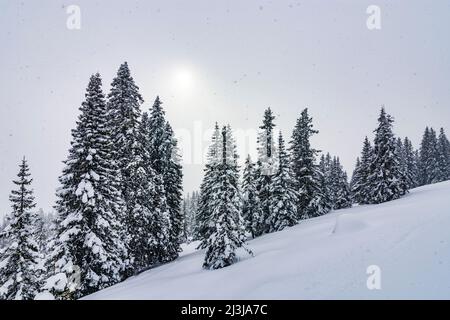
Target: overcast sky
<point x="220" y="61"/>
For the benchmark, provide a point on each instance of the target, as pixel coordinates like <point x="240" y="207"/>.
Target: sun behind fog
<point x="184" y="80"/>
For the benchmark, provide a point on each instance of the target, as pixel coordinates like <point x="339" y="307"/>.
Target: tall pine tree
<point x="89" y="206"/>
<point x="283" y="198"/>
<point x="123" y="113"/>
<point x="386" y="179"/>
<point x="227" y="232"/>
<point x="164" y="159"/>
<point x="266" y="169"/>
<point x="205" y="206"/>
<point x="304" y="168"/>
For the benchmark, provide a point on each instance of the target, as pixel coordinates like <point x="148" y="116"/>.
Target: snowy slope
<point x="323" y="258"/>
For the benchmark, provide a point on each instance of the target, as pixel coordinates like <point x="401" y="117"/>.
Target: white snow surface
<point x="322" y="258"/>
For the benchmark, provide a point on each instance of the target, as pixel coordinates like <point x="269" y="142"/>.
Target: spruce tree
<point x="341" y="189"/>
<point x="251" y="211"/>
<point x="185" y="209"/>
<point x="206" y="197"/>
<point x="166" y="162"/>
<point x="304" y="168"/>
<point x="190" y="212"/>
<point x="386" y="179"/>
<point x="401" y="154"/>
<point x="266" y="169"/>
<point x="89" y="206"/>
<point x="356" y="177"/>
<point x="443" y="159"/>
<point x="325" y="183"/>
<point x="152" y="211"/>
<point x="283" y="198"/>
<point x="18" y="261"/>
<point x="227" y="233"/>
<point x="361" y="187"/>
<point x="429" y="168"/>
<point x="173" y="178"/>
<point x="410" y="164"/>
<point x="123" y="113"/>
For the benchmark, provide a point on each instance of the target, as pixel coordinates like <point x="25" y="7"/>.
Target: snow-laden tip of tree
<point x="226" y="232"/>
<point x="283" y="209"/>
<point x="88" y="243"/>
<point x="386" y="179"/>
<point x="18" y="261"/>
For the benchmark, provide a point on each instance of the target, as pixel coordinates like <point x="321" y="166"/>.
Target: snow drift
<point x="323" y="258"/>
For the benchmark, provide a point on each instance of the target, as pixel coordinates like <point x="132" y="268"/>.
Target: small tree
<point x="251" y="211"/>
<point x="18" y="262"/>
<point x="227" y="232"/>
<point x="360" y="185"/>
<point x="283" y="200"/>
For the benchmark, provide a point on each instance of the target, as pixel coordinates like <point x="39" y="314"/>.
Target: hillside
<point x="323" y="258"/>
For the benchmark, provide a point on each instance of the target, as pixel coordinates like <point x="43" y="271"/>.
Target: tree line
<point x="287" y="185"/>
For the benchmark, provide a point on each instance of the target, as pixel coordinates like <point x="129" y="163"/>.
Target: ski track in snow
<point x="409" y="239"/>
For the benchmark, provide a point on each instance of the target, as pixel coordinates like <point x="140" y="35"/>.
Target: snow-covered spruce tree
<point x="173" y="184"/>
<point x="227" y="231"/>
<point x="189" y="209"/>
<point x="123" y="113"/>
<point x="341" y="189"/>
<point x="410" y="165"/>
<point x="88" y="242"/>
<point x="164" y="160"/>
<point x="325" y="184"/>
<point x="360" y="187"/>
<point x="319" y="205"/>
<point x="386" y="179"/>
<point x="443" y="149"/>
<point x="150" y="228"/>
<point x="266" y="168"/>
<point x="251" y="211"/>
<point x="19" y="260"/>
<point x="401" y="154"/>
<point x="194" y="212"/>
<point x="303" y="165"/>
<point x="429" y="168"/>
<point x="205" y="205"/>
<point x="283" y="198"/>
<point x="356" y="176"/>
<point x="185" y="209"/>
